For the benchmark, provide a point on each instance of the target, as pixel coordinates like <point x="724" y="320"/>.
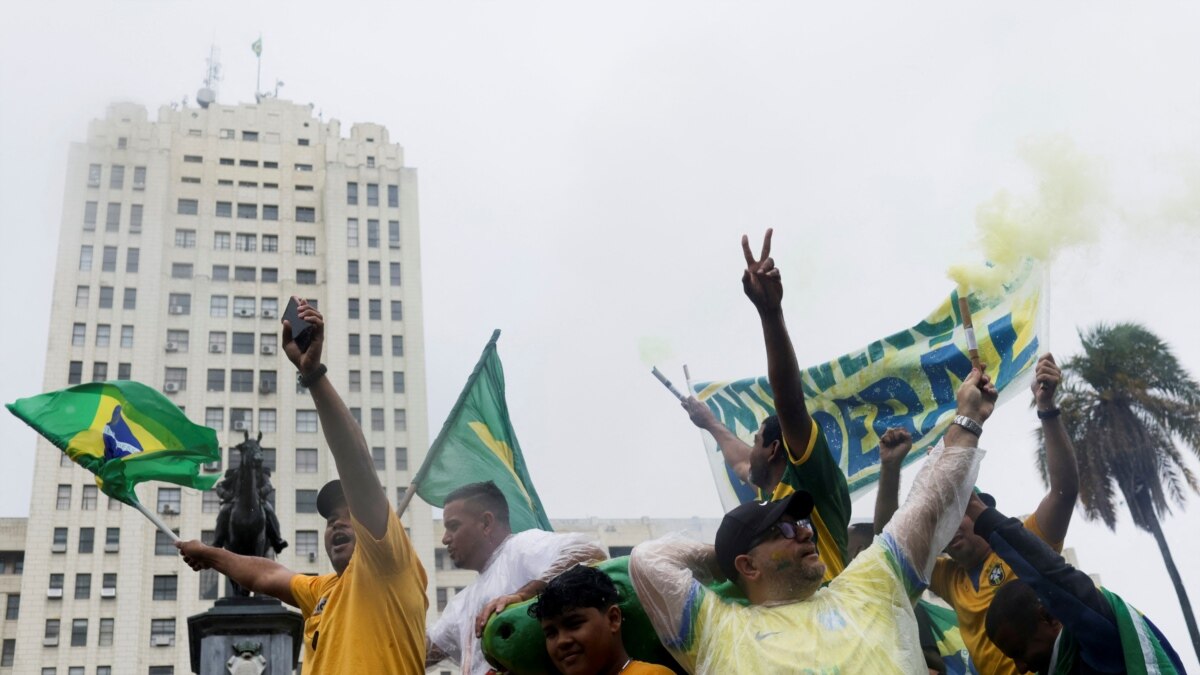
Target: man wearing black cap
<point x="368" y="616"/>
<point x="862" y="622"/>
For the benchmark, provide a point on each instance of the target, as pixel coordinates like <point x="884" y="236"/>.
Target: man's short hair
<point x="485" y="496"/>
<point x="580" y="587"/>
<point x="1015" y="605"/>
<point x="771" y="431"/>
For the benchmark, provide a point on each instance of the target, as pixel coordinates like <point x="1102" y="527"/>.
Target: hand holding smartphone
<point x="301" y="329"/>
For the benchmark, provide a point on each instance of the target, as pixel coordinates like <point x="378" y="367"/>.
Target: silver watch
<point x="969" y="424"/>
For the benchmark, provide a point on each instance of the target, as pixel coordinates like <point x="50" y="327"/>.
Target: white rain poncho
<point x="521" y="558"/>
<point x="862" y="622"/>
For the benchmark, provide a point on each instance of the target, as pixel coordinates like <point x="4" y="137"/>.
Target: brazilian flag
<point x="124" y="432"/>
<point x="477" y="443"/>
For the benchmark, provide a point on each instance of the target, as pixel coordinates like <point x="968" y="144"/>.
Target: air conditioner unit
<point x="241" y="425"/>
<point x="267" y="349"/>
<point x="112" y="548"/>
<point x="312" y="556"/>
<point x="172" y="346"/>
<point x="243" y="312"/>
<point x="171" y="387"/>
<point x="162" y="640"/>
<point x="108" y="592"/>
<point x="50" y="642"/>
<point x="175" y="309"/>
<point x="58" y="548"/>
<point x="53" y="592"/>
<point x="139" y="186"/>
<point x="268" y="314"/>
<point x="168" y="510"/>
<point x="265" y="387"/>
<point x="216" y="348"/>
<point x="211" y="467"/>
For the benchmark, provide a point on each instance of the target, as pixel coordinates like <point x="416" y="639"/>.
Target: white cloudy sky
<point x="586" y="171"/>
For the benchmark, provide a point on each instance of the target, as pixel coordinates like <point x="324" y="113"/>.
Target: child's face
<point x="584" y="641"/>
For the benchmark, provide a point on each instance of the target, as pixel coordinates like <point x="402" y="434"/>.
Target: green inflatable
<point x="514" y="640"/>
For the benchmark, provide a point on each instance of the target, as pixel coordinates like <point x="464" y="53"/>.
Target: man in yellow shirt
<point x="368" y="616"/>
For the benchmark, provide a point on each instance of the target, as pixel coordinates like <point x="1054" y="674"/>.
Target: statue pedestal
<point x="263" y="635"/>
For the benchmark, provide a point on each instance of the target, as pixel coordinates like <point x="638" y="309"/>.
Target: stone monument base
<point x="245" y="636"/>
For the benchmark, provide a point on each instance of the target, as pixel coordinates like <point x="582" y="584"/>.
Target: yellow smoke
<point x="654" y="350"/>
<point x="1063" y="212"/>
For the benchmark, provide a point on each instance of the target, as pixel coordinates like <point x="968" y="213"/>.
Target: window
<point x="251" y="136"/>
<point x="83" y="586"/>
<point x="63" y="503"/>
<point x="402" y="459"/>
<point x="352" y="233"/>
<point x="306" y="501"/>
<point x="443" y="597"/>
<point x="188" y="207"/>
<point x="397" y="382"/>
<point x="270" y="165"/>
<point x="93" y="175"/>
<point x="87" y="539"/>
<point x="352" y="193"/>
<point x="106" y="634"/>
<point x="351" y="307"/>
<point x="372" y="194"/>
<point x="164" y="630"/>
<point x="214" y="418"/>
<point x="270" y="243"/>
<point x="210" y="502"/>
<point x="246" y="242"/>
<point x="75" y="372"/>
<point x="301" y="141"/>
<point x="393" y="234"/>
<point x="355" y="381"/>
<point x="306" y="544"/>
<point x="243" y="343"/>
<point x="355" y="347"/>
<point x="124" y="371"/>
<point x="400" y="419"/>
<point x="227" y="134"/>
<point x="266" y="420"/>
<point x="82" y="296"/>
<point x="306" y="214"/>
<point x="51" y="636"/>
<point x="89" y="216"/>
<point x="185" y="238"/>
<point x="132" y="256"/>
<point x="372" y="233"/>
<point x="89" y="498"/>
<point x="163" y="544"/>
<point x="304" y="167"/>
<point x="224" y="210"/>
<point x="79" y="334"/>
<point x="108" y="583"/>
<point x="375" y="309"/>
<point x="270" y="308"/>
<point x="373" y="272"/>
<point x="112" y="540"/>
<point x="221" y="241"/>
<point x="210" y="581"/>
<point x="306" y="421"/>
<point x="126" y="336"/>
<point x="376" y="345"/>
<point x="244" y="306"/>
<point x="139" y="178"/>
<point x="306" y="277"/>
<point x="306" y="460"/>
<point x="216" y="379"/>
<point x="393" y="195"/>
<point x="377" y="381"/>
<point x="165" y="586"/>
<point x="180" y="303"/>
<point x="176" y="377"/>
<point x="216" y="342"/>
<point x="220" y="272"/>
<point x="179" y="338"/>
<point x="99" y="371"/>
<point x="270" y="275"/>
<point x="189" y="179"/>
<point x="116" y="176"/>
<point x="306" y="246"/>
<point x="108" y="263"/>
<point x="129" y="298"/>
<point x="248" y="162"/>
<point x="112" y="217"/>
<point x="181" y="270"/>
<point x="135" y="218"/>
<point x="377" y="419"/>
<point x="6" y="655"/>
<point x="356" y="413"/>
<point x="394" y="273"/>
<point x="241" y="380"/>
<point x="352" y="271"/>
<point x="379" y="458"/>
<point x="269" y="211"/>
<point x="218" y="306"/>
<point x="249" y="211"/>
<point x="103" y="334"/>
<point x="267" y="381"/>
<point x="370" y="162"/>
<point x="85" y="258"/>
<point x="56" y="583"/>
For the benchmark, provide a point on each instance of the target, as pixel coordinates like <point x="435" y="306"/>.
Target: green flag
<point x="257" y="46"/>
<point x="477" y="443"/>
<point x="124" y="432"/>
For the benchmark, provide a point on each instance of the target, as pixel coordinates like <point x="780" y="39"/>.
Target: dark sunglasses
<point x="782" y="530"/>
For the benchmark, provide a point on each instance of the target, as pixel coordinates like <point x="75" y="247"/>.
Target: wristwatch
<point x="1048" y="414"/>
<point x="310" y="379"/>
<point x="969" y="424"/>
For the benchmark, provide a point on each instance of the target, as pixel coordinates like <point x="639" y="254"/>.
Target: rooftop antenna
<point x="278" y="84"/>
<point x="257" y="48"/>
<point x="208" y="93"/>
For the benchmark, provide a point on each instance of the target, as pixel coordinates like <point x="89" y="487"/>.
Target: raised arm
<point x="257" y="574"/>
<point x="894" y="445"/>
<point x="763" y="286"/>
<point x="735" y="451"/>
<point x="364" y="494"/>
<point x="1054" y="512"/>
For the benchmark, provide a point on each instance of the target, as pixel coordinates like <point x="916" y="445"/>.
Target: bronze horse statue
<point x="246" y="522"/>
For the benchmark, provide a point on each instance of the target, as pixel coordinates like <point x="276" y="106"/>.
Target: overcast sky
<point x="586" y="171"/>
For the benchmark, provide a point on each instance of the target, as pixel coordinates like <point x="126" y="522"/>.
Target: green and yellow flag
<point x="124" y="432"/>
<point x="257" y="46"/>
<point x="477" y="443"/>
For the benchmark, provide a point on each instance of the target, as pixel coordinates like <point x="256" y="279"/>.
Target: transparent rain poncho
<point x="521" y="558"/>
<point x="862" y="622"/>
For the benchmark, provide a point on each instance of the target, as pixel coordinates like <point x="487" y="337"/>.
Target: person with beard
<point x="368" y="615"/>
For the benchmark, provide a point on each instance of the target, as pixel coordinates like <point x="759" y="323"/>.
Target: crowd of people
<point x="821" y="594"/>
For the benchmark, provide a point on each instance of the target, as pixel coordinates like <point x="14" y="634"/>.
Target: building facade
<point x="182" y="239"/>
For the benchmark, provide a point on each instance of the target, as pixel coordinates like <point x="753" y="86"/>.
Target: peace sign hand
<point x="761" y="280"/>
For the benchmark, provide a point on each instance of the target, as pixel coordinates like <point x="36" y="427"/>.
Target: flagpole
<point x="436" y="446"/>
<point x="156" y="520"/>
<point x="258" y="77"/>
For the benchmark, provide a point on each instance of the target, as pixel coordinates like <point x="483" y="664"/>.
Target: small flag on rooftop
<point x="257" y="46"/>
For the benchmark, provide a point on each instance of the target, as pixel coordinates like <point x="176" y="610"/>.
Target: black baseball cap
<point x="744" y="524"/>
<point x="330" y="497"/>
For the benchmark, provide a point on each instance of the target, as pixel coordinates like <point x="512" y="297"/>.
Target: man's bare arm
<point x="893" y="448"/>
<point x="733" y="449"/>
<point x="257" y="574"/>
<point x="1054" y="512"/>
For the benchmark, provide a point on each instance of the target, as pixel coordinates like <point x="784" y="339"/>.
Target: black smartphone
<point x="301" y="329"/>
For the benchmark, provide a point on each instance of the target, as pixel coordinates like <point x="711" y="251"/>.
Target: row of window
<point x="218" y="305"/>
<point x="99" y="371"/>
<point x="270" y="275"/>
<point x="248" y="242"/>
<point x="240" y="380"/>
<point x="179" y="339"/>
<point x="108" y="259"/>
<point x="87" y="535"/>
<point x="112" y="216"/>
<point x="103" y="335"/>
<point x="116" y="176"/>
<point x="352" y="238"/>
<point x="393" y="194"/>
<point x="162" y="634"/>
<point x="374" y="269"/>
<point x="191" y="207"/>
<point x="249" y="136"/>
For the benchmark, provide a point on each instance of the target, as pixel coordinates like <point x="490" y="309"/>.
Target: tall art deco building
<point x="182" y="238"/>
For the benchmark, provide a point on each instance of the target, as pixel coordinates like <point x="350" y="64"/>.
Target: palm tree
<point x="1129" y="407"/>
